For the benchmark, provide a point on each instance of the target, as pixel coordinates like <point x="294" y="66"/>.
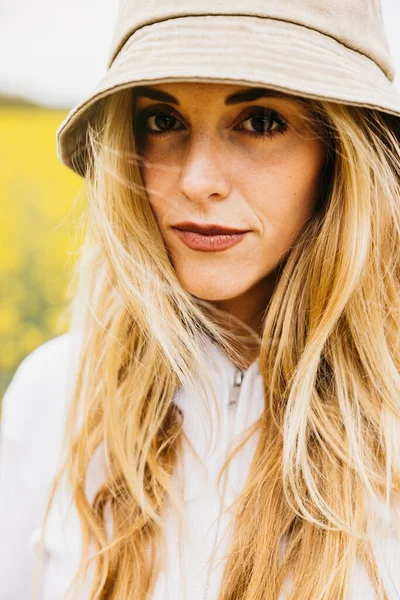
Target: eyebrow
<point x="247" y="95"/>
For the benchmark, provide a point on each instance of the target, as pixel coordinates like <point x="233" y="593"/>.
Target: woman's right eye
<point x="158" y="124"/>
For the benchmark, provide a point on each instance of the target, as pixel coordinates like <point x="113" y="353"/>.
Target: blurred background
<point x="52" y="52"/>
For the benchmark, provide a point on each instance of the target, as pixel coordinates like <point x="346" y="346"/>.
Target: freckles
<point x="288" y="192"/>
<point x="306" y="163"/>
<point x="154" y="177"/>
<point x="146" y="176"/>
<point x="161" y="193"/>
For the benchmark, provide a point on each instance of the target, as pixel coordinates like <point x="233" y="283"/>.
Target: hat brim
<point x="251" y="51"/>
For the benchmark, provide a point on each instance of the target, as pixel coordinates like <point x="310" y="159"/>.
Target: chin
<point x="211" y="292"/>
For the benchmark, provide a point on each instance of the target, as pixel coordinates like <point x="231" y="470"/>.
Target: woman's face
<point x="216" y="154"/>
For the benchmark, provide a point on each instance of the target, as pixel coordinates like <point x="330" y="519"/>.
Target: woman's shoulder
<point x="32" y="430"/>
<point x="38" y="393"/>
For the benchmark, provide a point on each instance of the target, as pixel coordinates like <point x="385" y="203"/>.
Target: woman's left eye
<point x="266" y="122"/>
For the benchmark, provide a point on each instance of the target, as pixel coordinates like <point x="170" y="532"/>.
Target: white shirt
<point x="34" y="410"/>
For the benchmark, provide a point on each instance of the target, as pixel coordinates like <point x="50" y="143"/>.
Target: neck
<point x="250" y="308"/>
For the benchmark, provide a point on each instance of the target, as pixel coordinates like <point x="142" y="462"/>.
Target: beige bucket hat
<point x="324" y="49"/>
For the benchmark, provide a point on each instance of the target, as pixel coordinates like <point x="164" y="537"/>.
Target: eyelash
<point x="265" y="112"/>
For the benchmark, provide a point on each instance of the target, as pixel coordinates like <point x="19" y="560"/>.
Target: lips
<point x="210" y="242"/>
<point x="207" y="229"/>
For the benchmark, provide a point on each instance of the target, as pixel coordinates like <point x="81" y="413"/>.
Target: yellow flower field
<point x="41" y="201"/>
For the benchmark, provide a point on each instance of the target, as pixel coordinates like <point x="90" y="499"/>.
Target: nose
<point x="205" y="170"/>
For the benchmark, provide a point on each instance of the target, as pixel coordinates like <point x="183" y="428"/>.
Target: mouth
<point x="209" y="242"/>
<point x="207" y="229"/>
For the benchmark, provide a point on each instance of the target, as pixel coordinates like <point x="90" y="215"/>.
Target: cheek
<point x="161" y="174"/>
<point x="160" y="189"/>
<point x="286" y="191"/>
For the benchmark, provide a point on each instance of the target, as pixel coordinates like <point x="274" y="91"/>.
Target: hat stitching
<point x="128" y="36"/>
<point x="124" y="57"/>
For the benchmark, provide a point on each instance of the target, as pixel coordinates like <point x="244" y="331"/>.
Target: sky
<point x="54" y="52"/>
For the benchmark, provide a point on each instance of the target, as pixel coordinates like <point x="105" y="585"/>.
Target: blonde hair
<point x="329" y="436"/>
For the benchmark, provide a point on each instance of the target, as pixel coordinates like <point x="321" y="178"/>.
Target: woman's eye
<point x="159" y="124"/>
<point x="264" y="123"/>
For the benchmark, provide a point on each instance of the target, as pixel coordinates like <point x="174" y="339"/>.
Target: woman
<point x="229" y="389"/>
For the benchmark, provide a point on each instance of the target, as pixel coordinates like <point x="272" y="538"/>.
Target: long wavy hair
<point x="329" y="437"/>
